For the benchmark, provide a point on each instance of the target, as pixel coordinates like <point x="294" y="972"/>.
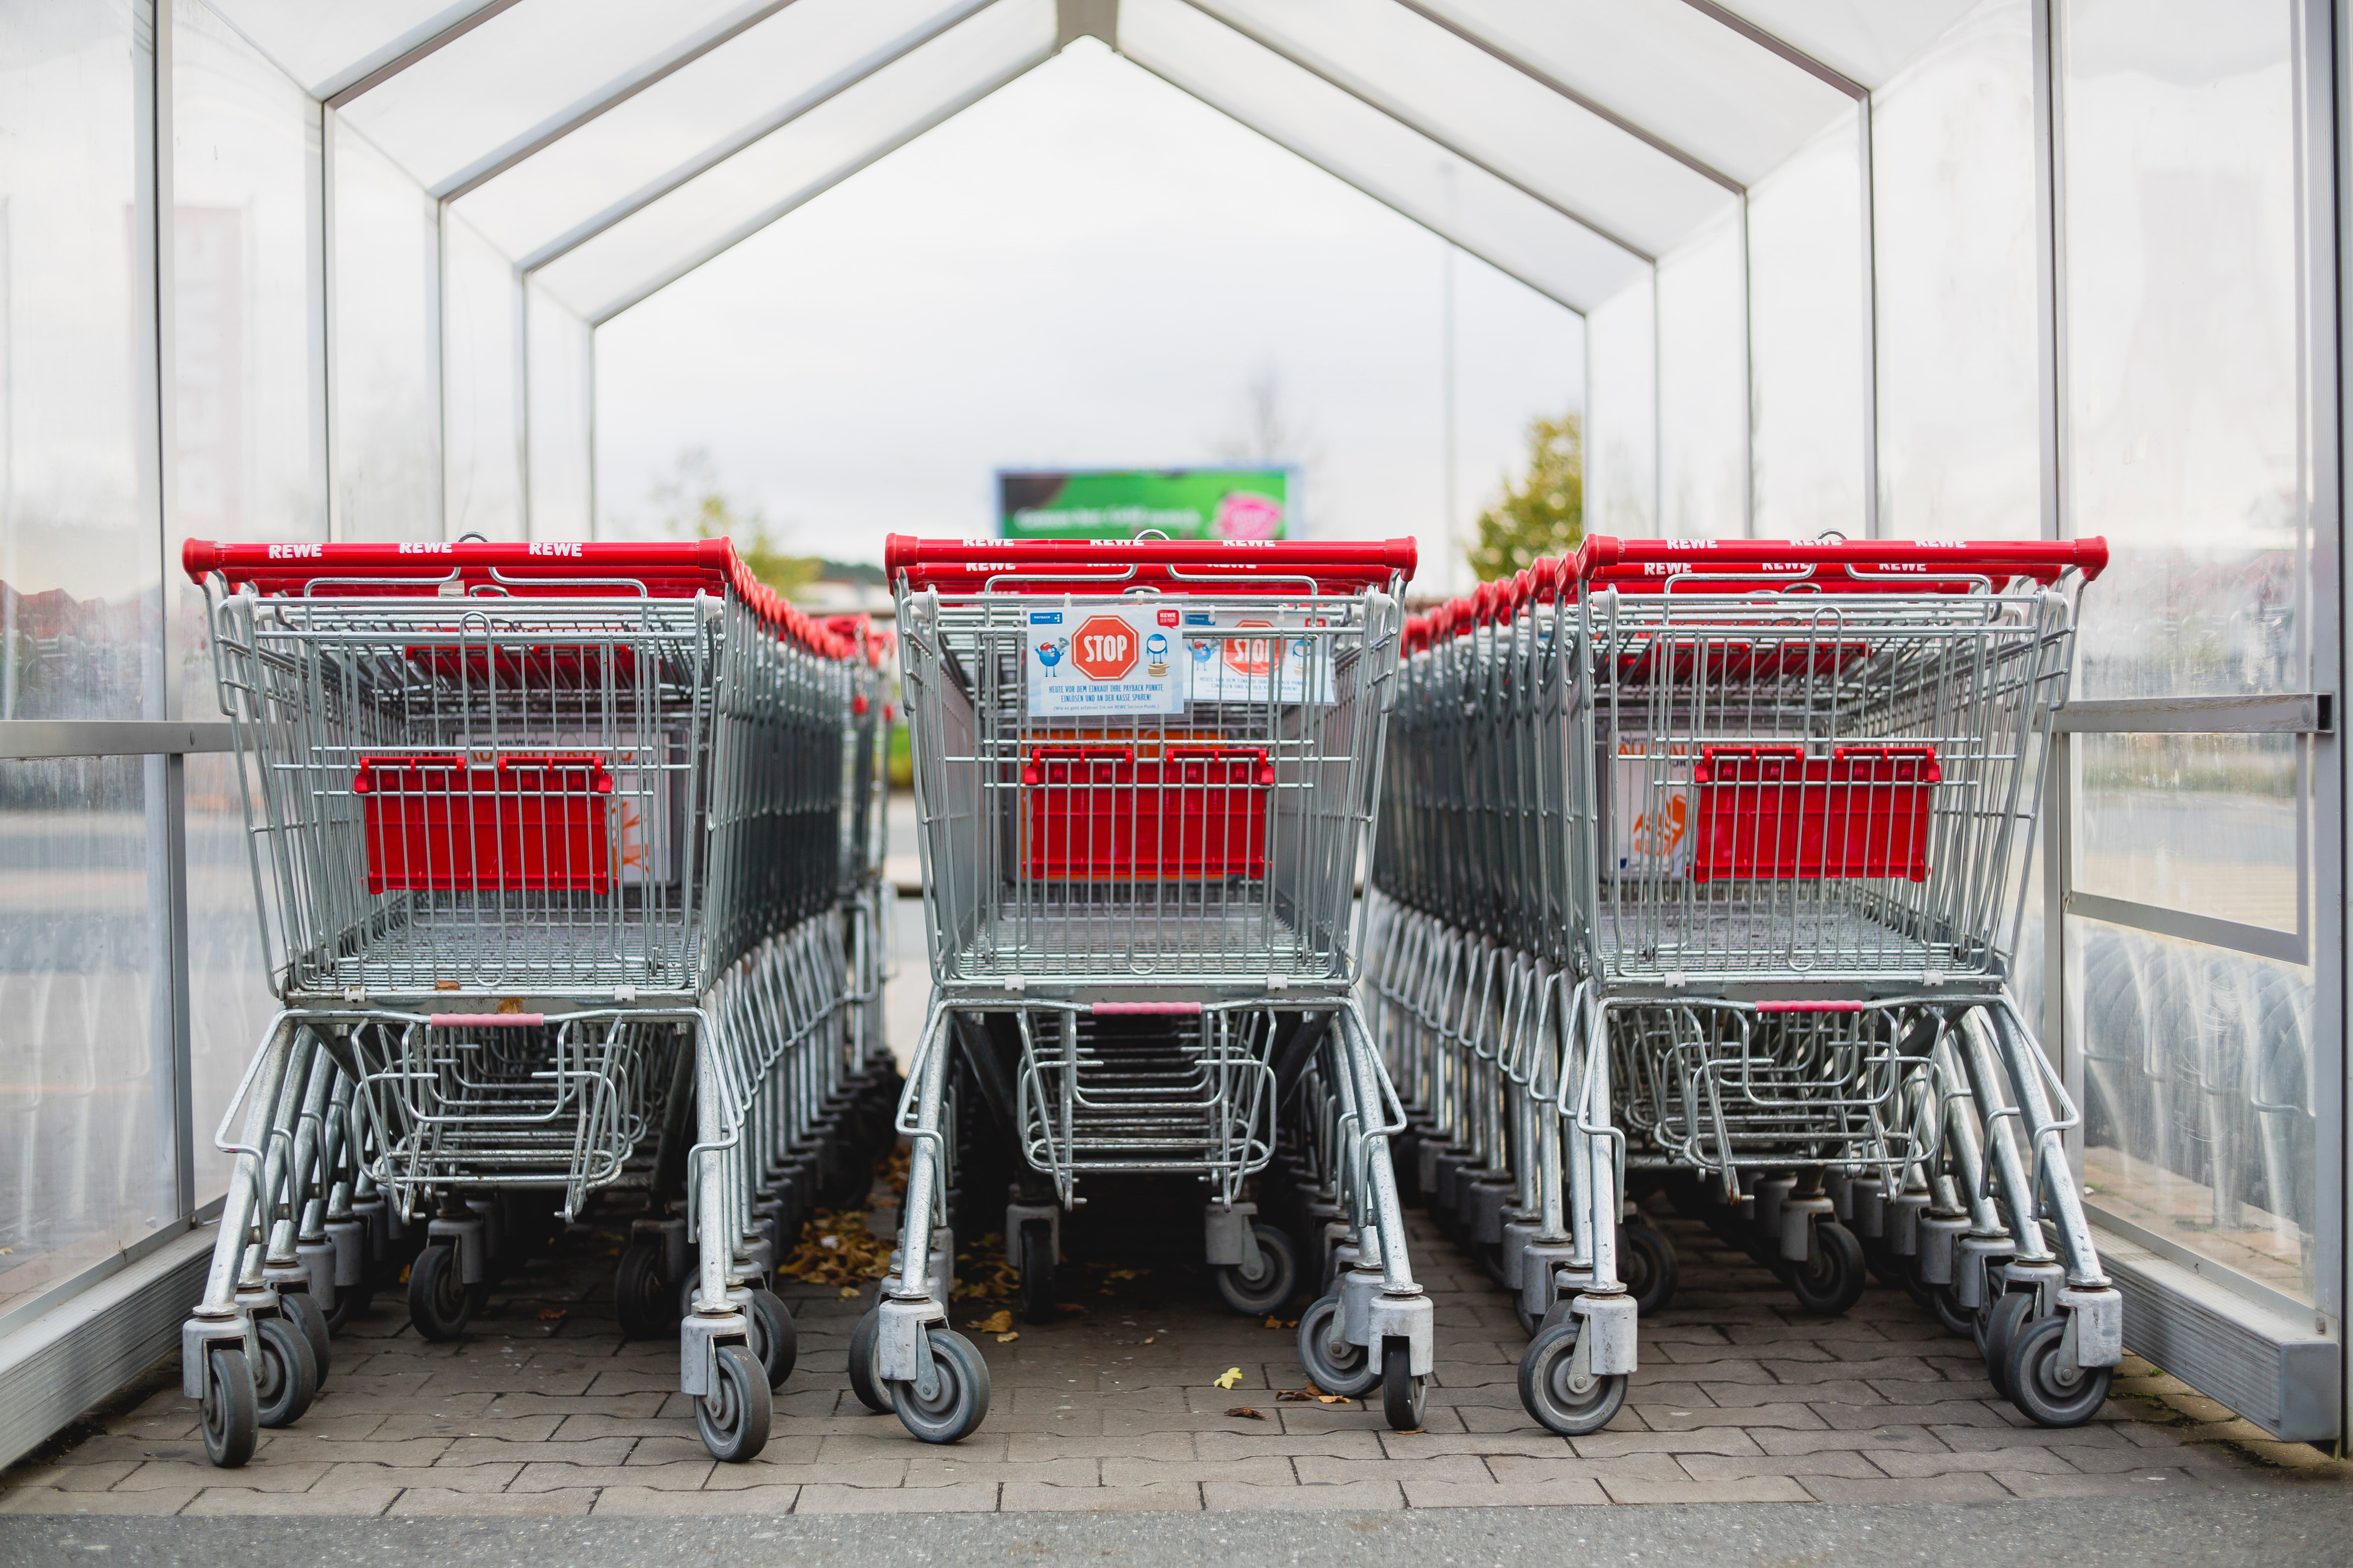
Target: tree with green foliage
<point x="692" y="506"/>
<point x="1543" y="513"/>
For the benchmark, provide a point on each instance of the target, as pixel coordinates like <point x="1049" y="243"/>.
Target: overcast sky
<point x="1088" y="268"/>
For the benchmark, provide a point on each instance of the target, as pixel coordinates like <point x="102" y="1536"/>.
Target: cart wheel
<point x="1998" y="1328"/>
<point x="1037" y="1259"/>
<point x="1946" y="1308"/>
<point x="642" y="1299"/>
<point x="287" y="1378"/>
<point x="864" y="1340"/>
<point x="1832" y="1277"/>
<point x="2047" y="1396"/>
<point x="352" y="1302"/>
<point x="1885" y="1263"/>
<point x="232" y="1410"/>
<point x="439" y="1303"/>
<point x="1549" y="1390"/>
<point x="1529" y="1321"/>
<point x="1349" y="1369"/>
<point x="1648" y="1266"/>
<point x="1402" y="1394"/>
<point x="1277" y="1276"/>
<point x="311" y="1318"/>
<point x="959" y="1400"/>
<point x="776" y="1343"/>
<point x="733" y="1418"/>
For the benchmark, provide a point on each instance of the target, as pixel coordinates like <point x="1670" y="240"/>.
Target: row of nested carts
<point x="1700" y="869"/>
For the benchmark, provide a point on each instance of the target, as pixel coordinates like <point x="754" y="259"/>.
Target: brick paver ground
<point x="543" y="1409"/>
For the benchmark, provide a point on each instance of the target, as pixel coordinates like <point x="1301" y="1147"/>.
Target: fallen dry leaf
<point x="1009" y="1337"/>
<point x="995" y="1323"/>
<point x="552" y="1314"/>
<point x="1147" y="1339"/>
<point x="1246" y="1410"/>
<point x="847" y="1291"/>
<point x="1069" y="1307"/>
<point x="1230" y="1377"/>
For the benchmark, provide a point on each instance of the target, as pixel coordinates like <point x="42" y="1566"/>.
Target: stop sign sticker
<point x="1103" y="647"/>
<point x="1102" y="661"/>
<point x="1250" y="656"/>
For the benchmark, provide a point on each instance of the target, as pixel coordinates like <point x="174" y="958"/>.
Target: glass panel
<point x="562" y="381"/>
<point x="1865" y="40"/>
<point x="1538" y="139"/>
<point x="327" y="46"/>
<point x="2202" y="823"/>
<point x="728" y="99"/>
<point x="519" y="76"/>
<point x="816" y="151"/>
<point x="86" y="1121"/>
<point x="1511" y="231"/>
<point x="1952" y="165"/>
<point x="1805" y="340"/>
<point x="80" y="557"/>
<point x="1703" y="388"/>
<point x="482" y="386"/>
<point x="2200" y="1089"/>
<point x="1622" y="446"/>
<point x="1678" y="73"/>
<point x="2182" y="362"/>
<point x="386" y="299"/>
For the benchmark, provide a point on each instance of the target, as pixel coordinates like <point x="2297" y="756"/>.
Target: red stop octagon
<point x="1103" y="647"/>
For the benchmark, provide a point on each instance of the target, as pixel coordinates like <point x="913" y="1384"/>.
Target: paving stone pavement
<point x="543" y="1410"/>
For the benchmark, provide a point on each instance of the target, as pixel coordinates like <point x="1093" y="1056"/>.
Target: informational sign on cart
<point x="1104" y="661"/>
<point x="1244" y="656"/>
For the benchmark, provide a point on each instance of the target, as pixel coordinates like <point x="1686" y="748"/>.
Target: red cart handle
<point x="672" y="569"/>
<point x="1881" y="565"/>
<point x="1172" y="566"/>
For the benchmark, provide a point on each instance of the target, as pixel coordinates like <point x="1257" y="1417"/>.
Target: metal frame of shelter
<point x="1726" y="189"/>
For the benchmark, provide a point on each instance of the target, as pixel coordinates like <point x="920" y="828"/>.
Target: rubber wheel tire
<point x="1529" y="1321"/>
<point x="1946" y="1308"/>
<point x="2033" y="1371"/>
<point x="864" y="1381"/>
<point x="1998" y="1328"/>
<point x="287" y="1378"/>
<point x="1648" y="1266"/>
<point x="1258" y="1294"/>
<point x="960" y="1403"/>
<point x="733" y="1419"/>
<point x="439" y="1303"/>
<point x="1887" y="1264"/>
<point x="775" y="1342"/>
<point x="1353" y="1374"/>
<point x="642" y="1299"/>
<point x="303" y="1309"/>
<point x="1546" y="1394"/>
<point x="1403" y="1394"/>
<point x="1036" y="1271"/>
<point x="1831" y="1279"/>
<point x="352" y="1302"/>
<point x="232" y="1410"/>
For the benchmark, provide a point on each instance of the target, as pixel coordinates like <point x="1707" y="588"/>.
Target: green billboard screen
<point x="1120" y="503"/>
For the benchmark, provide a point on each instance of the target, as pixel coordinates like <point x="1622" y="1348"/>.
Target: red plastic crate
<point x="1097" y="814"/>
<point x="526" y="824"/>
<point x="1772" y="811"/>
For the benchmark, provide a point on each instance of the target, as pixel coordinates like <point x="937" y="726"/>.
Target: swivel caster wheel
<point x="232" y="1408"/>
<point x="1402" y="1394"/>
<point x="303" y="1310"/>
<point x="1277" y="1276"/>
<point x="1572" y="1404"/>
<point x="645" y="1302"/>
<point x="2049" y="1393"/>
<point x="287" y="1378"/>
<point x="865" y="1380"/>
<point x="776" y="1343"/>
<point x="1648" y="1266"/>
<point x="1345" y="1369"/>
<point x="733" y="1419"/>
<point x="1998" y="1326"/>
<point x="1831" y="1279"/>
<point x="439" y="1303"/>
<point x="1037" y="1262"/>
<point x="958" y="1401"/>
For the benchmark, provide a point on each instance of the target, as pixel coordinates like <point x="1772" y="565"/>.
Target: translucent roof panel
<point x="1865" y="40"/>
<point x="1698" y="86"/>
<point x="1386" y="160"/>
<point x="328" y="45"/>
<point x="680" y="230"/>
<point x="697" y="116"/>
<point x="526" y="73"/>
<point x="1503" y="119"/>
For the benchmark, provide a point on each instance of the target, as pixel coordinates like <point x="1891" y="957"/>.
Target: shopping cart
<point x="1145" y="770"/>
<point x="1788" y="857"/>
<point x="549" y="851"/>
